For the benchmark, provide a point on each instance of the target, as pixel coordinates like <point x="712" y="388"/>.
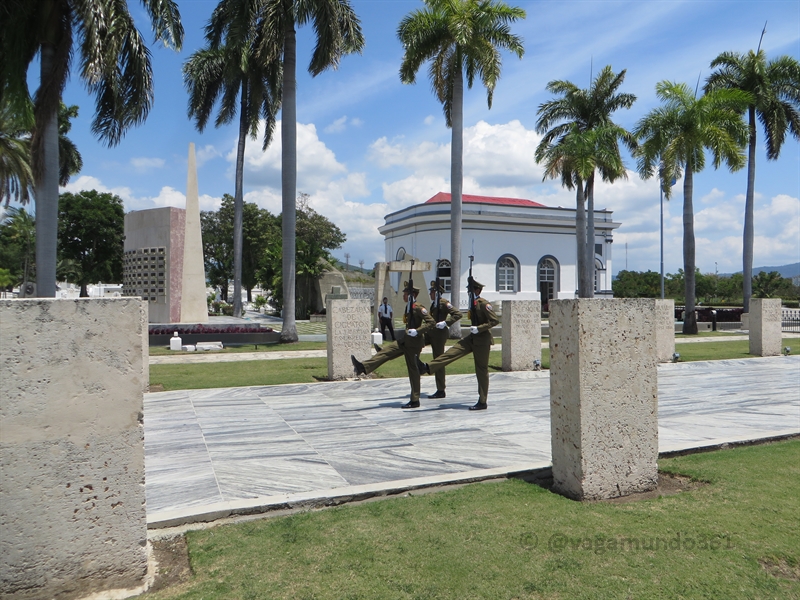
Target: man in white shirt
<point x="386" y="317"/>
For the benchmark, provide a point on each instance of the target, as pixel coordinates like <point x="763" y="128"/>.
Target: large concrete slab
<point x="213" y="452"/>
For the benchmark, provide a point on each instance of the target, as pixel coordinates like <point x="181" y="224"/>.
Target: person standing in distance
<point x="418" y="321"/>
<point x="479" y="342"/>
<point x="445" y="314"/>
<point x="386" y="318"/>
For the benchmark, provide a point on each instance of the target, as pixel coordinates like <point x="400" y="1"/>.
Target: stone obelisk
<point x="193" y="293"/>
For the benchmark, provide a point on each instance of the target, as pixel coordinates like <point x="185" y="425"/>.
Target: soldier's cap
<point x="437" y="288"/>
<point x="476" y="284"/>
<point x="406" y="288"/>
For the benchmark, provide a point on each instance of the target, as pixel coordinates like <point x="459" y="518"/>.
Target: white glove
<point x="441" y="325"/>
<point x="412" y="332"/>
<point x="473" y="330"/>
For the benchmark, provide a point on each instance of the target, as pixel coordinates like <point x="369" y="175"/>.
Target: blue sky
<point x="369" y="145"/>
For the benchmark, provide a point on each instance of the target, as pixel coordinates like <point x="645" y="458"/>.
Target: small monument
<point x="765" y="326"/>
<point x="349" y="332"/>
<point x="665" y="330"/>
<point x="603" y="397"/>
<point x="522" y="334"/>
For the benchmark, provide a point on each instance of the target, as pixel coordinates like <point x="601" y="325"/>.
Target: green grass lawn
<point x="311" y="370"/>
<point x="736" y="537"/>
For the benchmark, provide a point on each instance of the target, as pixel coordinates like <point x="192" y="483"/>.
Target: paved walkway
<point x="220" y="452"/>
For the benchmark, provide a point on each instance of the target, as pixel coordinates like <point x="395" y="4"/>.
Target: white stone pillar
<point x="194" y="308"/>
<point x="665" y="329"/>
<point x="765" y="326"/>
<point x="522" y="334"/>
<point x="349" y="333"/>
<point x="72" y="499"/>
<point x="603" y="397"/>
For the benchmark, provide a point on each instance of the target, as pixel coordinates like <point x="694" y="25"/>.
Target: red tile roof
<point x="443" y="197"/>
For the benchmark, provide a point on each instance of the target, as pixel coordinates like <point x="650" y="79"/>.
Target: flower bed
<point x="229" y="335"/>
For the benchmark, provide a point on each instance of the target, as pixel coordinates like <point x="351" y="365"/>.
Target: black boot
<point x="377" y="348"/>
<point x="410" y="404"/>
<point x="438" y="394"/>
<point x="360" y="370"/>
<point x="423" y="368"/>
<point x="479" y="406"/>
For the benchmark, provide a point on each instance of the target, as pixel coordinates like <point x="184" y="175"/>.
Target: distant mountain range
<point x="789" y="271"/>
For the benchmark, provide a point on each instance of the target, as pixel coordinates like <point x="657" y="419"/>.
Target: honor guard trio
<point x="431" y="327"/>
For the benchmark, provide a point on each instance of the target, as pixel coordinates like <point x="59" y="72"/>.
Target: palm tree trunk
<point x="747" y="245"/>
<point x="46" y="191"/>
<point x="456" y="184"/>
<point x="690" y="320"/>
<point x="289" y="179"/>
<point x="590" y="237"/>
<point x="580" y="235"/>
<point x="238" y="204"/>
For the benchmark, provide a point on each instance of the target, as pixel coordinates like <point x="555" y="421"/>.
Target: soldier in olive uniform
<point x="445" y="314"/>
<point x="418" y="321"/>
<point x="478" y="342"/>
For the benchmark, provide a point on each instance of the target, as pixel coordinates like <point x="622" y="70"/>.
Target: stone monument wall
<point x="665" y="329"/>
<point x="603" y="397"/>
<point x="522" y="334"/>
<point x="348" y="333"/>
<point x="72" y="499"/>
<point x="765" y="326"/>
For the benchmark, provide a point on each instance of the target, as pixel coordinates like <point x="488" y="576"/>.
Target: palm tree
<point x="458" y="37"/>
<point x="16" y="176"/>
<point x="338" y="32"/>
<point x="587" y="109"/>
<point x="775" y="89"/>
<point x="574" y="157"/>
<point x="115" y="65"/>
<point x="675" y="137"/>
<point x="70" y="160"/>
<point x="229" y="69"/>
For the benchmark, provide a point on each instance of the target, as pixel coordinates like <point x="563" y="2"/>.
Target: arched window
<point x="445" y="274"/>
<point x="599" y="272"/>
<point x="401" y="254"/>
<point x="507" y="274"/>
<point x="547" y="278"/>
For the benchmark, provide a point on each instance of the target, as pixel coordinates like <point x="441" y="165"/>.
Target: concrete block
<point x="603" y="397"/>
<point x="72" y="500"/>
<point x="522" y="334"/>
<point x="665" y="329"/>
<point x="765" y="326"/>
<point x="349" y="332"/>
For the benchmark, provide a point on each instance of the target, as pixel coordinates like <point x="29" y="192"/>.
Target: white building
<point x="523" y="250"/>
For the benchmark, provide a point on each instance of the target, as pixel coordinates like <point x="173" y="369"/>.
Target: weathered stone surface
<point x="522" y="334"/>
<point x="72" y="501"/>
<point x="765" y="326"/>
<point x="349" y="333"/>
<point x="665" y="329"/>
<point x="603" y="397"/>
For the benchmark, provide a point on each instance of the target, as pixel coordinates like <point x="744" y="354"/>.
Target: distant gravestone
<point x="349" y="333"/>
<point x="522" y="334"/>
<point x="665" y="329"/>
<point x="603" y="397"/>
<point x="765" y="326"/>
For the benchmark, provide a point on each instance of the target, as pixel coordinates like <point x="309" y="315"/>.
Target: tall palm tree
<point x="458" y="37"/>
<point x="229" y="69"/>
<point x="338" y="32"/>
<point x="675" y="137"/>
<point x="574" y="157"/>
<point x="587" y="109"/>
<point x="775" y="89"/>
<point x="16" y="176"/>
<point x="115" y="65"/>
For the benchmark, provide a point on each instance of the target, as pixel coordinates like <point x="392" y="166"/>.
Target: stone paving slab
<point x="218" y="452"/>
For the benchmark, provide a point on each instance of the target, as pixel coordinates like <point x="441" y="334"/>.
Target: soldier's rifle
<point x="438" y="293"/>
<point x="471" y="293"/>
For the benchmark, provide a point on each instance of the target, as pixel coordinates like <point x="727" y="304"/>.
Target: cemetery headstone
<point x="349" y="332"/>
<point x="521" y="334"/>
<point x="765" y="326"/>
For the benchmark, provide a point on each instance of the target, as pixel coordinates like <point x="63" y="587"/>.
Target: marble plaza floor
<point x="219" y="452"/>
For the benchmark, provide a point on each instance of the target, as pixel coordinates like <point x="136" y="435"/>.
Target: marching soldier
<point x="418" y="322"/>
<point x="445" y="314"/>
<point x="479" y="342"/>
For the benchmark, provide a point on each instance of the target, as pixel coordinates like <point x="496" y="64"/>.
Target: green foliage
<point x="18" y="245"/>
<point x="6" y="279"/>
<point x="16" y="175"/>
<point x="772" y="285"/>
<point x="632" y="284"/>
<point x="91" y="232"/>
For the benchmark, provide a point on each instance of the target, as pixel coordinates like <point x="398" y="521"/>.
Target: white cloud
<point x="146" y="164"/>
<point x="207" y="153"/>
<point x="167" y="196"/>
<point x="429" y="120"/>
<point x="337" y="126"/>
